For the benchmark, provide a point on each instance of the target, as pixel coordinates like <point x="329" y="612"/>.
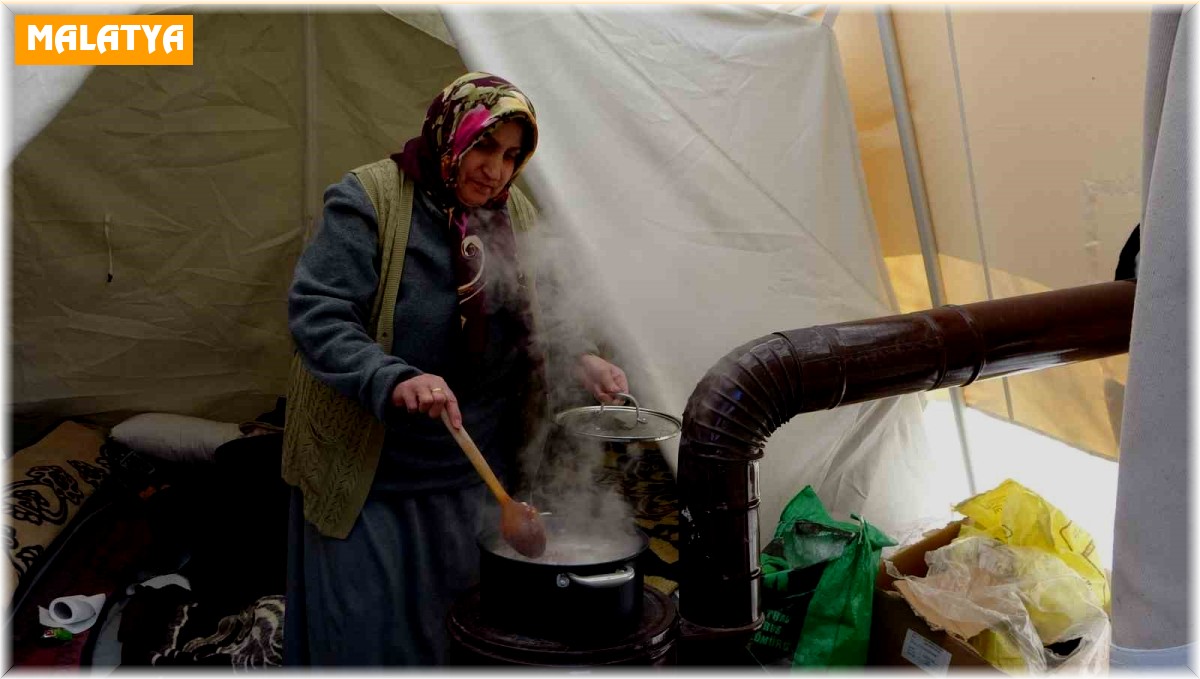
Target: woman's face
<point x="486" y="169"/>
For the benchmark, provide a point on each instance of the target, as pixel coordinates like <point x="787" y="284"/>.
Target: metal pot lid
<point x="619" y="424"/>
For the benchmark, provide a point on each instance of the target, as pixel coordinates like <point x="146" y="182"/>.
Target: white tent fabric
<point x="1151" y="575"/>
<point x="706" y="161"/>
<point x="44" y="89"/>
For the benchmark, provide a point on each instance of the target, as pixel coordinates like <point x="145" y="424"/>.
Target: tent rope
<point x="966" y="140"/>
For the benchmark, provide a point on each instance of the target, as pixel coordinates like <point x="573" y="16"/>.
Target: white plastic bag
<point x="1010" y="603"/>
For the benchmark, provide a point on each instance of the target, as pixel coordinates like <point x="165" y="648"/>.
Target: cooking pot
<point x="586" y="584"/>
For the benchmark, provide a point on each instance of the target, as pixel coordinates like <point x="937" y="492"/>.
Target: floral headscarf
<point x="470" y="107"/>
<point x="458" y="117"/>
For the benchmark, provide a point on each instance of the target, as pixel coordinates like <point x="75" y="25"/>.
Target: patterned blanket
<point x="641" y="474"/>
<point x="249" y="639"/>
<point x="195" y="634"/>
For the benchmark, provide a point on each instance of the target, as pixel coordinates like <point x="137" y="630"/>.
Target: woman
<point x="384" y="522"/>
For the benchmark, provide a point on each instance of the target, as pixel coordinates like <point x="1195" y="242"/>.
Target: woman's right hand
<point x="427" y="394"/>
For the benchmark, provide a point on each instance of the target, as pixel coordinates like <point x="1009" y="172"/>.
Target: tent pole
<point x="311" y="206"/>
<point x="920" y="202"/>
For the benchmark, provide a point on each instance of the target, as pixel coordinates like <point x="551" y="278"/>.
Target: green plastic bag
<point x="818" y="585"/>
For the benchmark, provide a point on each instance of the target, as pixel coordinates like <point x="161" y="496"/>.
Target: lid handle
<point x="637" y="410"/>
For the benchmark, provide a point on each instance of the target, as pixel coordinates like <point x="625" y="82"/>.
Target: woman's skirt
<point x="382" y="595"/>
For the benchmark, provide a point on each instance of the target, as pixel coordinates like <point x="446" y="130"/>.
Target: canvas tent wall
<point x="207" y="177"/>
<point x="1026" y="122"/>
<point x="194" y="186"/>
<point x="1153" y="591"/>
<point x="1029" y="129"/>
<point x="1043" y="138"/>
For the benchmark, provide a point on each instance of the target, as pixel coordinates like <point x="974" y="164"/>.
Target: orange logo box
<point x="103" y="40"/>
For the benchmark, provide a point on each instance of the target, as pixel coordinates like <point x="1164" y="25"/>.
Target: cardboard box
<point x="899" y="637"/>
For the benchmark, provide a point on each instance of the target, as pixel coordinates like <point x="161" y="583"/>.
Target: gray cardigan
<point x="329" y="305"/>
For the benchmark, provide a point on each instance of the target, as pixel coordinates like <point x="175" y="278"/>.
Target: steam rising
<point x="562" y="475"/>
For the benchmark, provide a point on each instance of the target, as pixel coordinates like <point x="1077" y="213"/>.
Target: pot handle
<point x="615" y="579"/>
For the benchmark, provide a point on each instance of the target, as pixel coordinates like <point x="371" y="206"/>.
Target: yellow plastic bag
<point x="1010" y="603"/>
<point x="1017" y="516"/>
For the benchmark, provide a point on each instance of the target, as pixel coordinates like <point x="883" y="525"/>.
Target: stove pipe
<point x="759" y="386"/>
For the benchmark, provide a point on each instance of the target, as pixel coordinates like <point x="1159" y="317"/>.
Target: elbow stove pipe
<point x="762" y="384"/>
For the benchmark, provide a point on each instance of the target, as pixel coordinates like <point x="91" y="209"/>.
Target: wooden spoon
<point x="520" y="525"/>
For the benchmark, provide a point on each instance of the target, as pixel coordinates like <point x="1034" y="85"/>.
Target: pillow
<point x="176" y="438"/>
<point x="47" y="484"/>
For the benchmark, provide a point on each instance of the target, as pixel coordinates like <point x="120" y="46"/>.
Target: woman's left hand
<point x="601" y="378"/>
